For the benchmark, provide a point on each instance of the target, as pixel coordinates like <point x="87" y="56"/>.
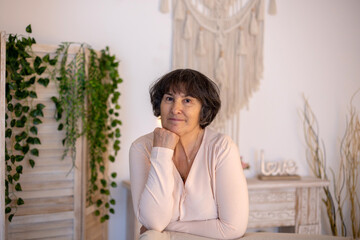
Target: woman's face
<point x="180" y="113"/>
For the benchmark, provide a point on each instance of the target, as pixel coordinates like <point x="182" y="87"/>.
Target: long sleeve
<point x="231" y="196"/>
<point x="152" y="184"/>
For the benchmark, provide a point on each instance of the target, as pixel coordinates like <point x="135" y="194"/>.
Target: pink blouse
<point x="213" y="202"/>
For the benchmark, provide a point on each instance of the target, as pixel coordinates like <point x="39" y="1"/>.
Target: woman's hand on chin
<point x="165" y="138"/>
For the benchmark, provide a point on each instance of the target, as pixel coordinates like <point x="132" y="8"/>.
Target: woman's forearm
<point x="213" y="228"/>
<point x="152" y="185"/>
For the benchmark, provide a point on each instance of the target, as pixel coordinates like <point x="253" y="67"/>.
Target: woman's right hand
<point x="165" y="138"/>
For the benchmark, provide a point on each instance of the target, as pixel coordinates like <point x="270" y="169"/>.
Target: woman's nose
<point x="176" y="107"/>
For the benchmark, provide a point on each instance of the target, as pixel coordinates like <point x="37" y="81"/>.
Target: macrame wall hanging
<point x="224" y="40"/>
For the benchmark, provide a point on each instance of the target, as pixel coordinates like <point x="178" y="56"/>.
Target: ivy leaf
<point x="102" y="169"/>
<point x="10" y="217"/>
<point x="17" y="146"/>
<point x="32" y="80"/>
<point x="18" y="112"/>
<point x="113" y="184"/>
<point x="20" y="201"/>
<point x="60" y="127"/>
<point x="33" y="94"/>
<point x="113" y="175"/>
<point x="8" y="168"/>
<point x="21" y="122"/>
<point x="28" y="29"/>
<point x="53" y="61"/>
<point x="34" y="113"/>
<point x="12" y="123"/>
<point x="40" y="106"/>
<point x="97" y="212"/>
<point x="16" y="177"/>
<point x="112" y="158"/>
<point x="25" y="109"/>
<point x="25" y="149"/>
<point x="34" y="130"/>
<point x="32" y="163"/>
<point x="30" y="140"/>
<point x="117" y="133"/>
<point x="103" y="182"/>
<point x="19" y="169"/>
<point x="10" y="107"/>
<point x="19" y="158"/>
<point x="37" y="62"/>
<point x="10" y="178"/>
<point x="18" y="187"/>
<point x="99" y="202"/>
<point x="37" y="121"/>
<point x="40" y="71"/>
<point x="37" y="141"/>
<point x="111" y="210"/>
<point x="20" y="136"/>
<point x="34" y="152"/>
<point x="8" y="133"/>
<point x="44" y="81"/>
<point x="7" y="210"/>
<point x="46" y="58"/>
<point x="7" y="200"/>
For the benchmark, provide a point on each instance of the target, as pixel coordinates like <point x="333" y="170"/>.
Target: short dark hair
<point x="192" y="83"/>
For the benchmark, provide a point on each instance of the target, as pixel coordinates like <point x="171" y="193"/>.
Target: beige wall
<point x="311" y="47"/>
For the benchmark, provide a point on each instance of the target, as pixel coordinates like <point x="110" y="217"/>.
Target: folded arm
<point x="152" y="184"/>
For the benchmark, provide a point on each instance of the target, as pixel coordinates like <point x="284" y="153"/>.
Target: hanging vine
<point x="70" y="79"/>
<point x="99" y="118"/>
<point x="23" y="71"/>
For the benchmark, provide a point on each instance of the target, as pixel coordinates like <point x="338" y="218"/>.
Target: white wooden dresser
<point x="275" y="203"/>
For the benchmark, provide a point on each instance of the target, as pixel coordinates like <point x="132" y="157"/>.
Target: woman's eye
<point x="169" y="99"/>
<point x="187" y="100"/>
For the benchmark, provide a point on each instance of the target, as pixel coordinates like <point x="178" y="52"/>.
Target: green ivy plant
<point x="99" y="116"/>
<point x="23" y="71"/>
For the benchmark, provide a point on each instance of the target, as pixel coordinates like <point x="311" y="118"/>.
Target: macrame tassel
<point x="164" y="6"/>
<point x="261" y="10"/>
<point x="272" y="7"/>
<point x="241" y="43"/>
<point x="188" y="27"/>
<point x="200" y="48"/>
<point x="179" y="11"/>
<point x="221" y="72"/>
<point x="254" y="29"/>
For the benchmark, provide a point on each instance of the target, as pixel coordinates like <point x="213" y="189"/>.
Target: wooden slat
<point x="2" y="134"/>
<point x="46" y="177"/>
<point x="41" y="234"/>
<point x="49" y="201"/>
<point x="68" y="237"/>
<point x="46" y="193"/>
<point x="40" y="226"/>
<point x="48" y="169"/>
<point x="31" y="186"/>
<point x="41" y="218"/>
<point x="45" y="209"/>
<point x="53" y="161"/>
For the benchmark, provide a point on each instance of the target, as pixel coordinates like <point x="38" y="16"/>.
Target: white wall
<point x="311" y="47"/>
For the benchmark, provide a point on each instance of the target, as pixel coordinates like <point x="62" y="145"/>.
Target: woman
<point x="184" y="176"/>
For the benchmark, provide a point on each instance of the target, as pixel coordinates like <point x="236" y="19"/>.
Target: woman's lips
<point x="176" y="119"/>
